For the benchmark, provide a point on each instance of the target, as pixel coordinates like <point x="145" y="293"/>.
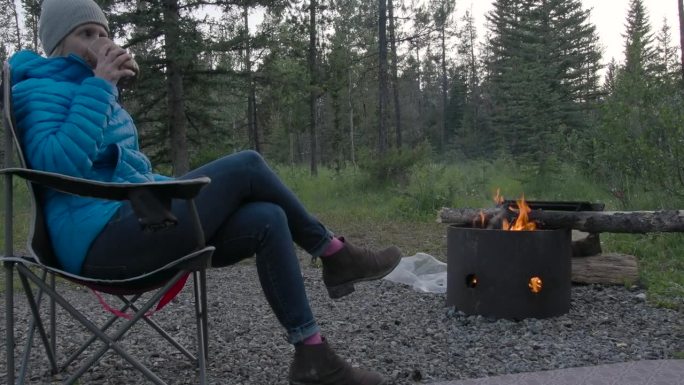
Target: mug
<point x="91" y="59"/>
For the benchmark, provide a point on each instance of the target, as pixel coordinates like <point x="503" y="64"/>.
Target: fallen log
<point x="639" y="222"/>
<point x="609" y="268"/>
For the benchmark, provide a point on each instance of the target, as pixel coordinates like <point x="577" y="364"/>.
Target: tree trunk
<point x="588" y="221"/>
<point x="680" y="4"/>
<point x="252" y="128"/>
<point x="31" y="14"/>
<point x="291" y="137"/>
<point x="175" y="97"/>
<point x="352" y="149"/>
<point x="420" y="93"/>
<point x="445" y="134"/>
<point x="474" y="79"/>
<point x="16" y="25"/>
<point x="382" y="76"/>
<point x="313" y="85"/>
<point x="395" y="76"/>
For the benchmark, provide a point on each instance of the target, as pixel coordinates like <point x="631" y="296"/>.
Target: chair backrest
<point x="39" y="244"/>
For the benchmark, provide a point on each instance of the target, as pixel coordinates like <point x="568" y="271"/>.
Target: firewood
<point x="585" y="244"/>
<point x="588" y="221"/>
<point x="608" y="268"/>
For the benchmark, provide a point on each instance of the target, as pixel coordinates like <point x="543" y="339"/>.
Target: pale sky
<point x="607" y="15"/>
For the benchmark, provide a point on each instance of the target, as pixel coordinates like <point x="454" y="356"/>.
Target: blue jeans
<point x="245" y="210"/>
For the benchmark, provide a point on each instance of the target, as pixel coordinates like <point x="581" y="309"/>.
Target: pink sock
<point x="333" y="247"/>
<point x="313" y="340"/>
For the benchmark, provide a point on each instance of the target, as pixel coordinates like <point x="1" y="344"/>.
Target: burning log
<point x="588" y="221"/>
<point x="609" y="268"/>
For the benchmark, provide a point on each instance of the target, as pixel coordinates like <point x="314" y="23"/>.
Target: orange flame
<point x="522" y="222"/>
<point x="498" y="199"/>
<point x="535" y="284"/>
<point x="482" y="219"/>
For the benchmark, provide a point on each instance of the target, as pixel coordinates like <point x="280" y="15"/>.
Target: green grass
<point x="404" y="212"/>
<point x="22" y="214"/>
<point x="661" y="260"/>
<point x="22" y="220"/>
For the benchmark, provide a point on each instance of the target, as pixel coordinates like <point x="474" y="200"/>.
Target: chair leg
<point x="9" y="319"/>
<point x="36" y="316"/>
<point x="205" y="327"/>
<point x="29" y="339"/>
<point x="53" y="318"/>
<point x="200" y="316"/>
<point x="109" y="341"/>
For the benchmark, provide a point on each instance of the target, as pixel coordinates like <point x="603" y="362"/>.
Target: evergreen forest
<point x="343" y="82"/>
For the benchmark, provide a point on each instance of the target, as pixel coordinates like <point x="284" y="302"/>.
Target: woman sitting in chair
<point x="71" y="123"/>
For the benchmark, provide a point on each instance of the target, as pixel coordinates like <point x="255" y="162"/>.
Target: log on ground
<point x="608" y="268"/>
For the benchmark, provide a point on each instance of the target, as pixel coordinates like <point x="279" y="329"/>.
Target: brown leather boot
<point x="353" y="264"/>
<point x="319" y="365"/>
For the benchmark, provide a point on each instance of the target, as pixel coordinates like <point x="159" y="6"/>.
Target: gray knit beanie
<point x="59" y="17"/>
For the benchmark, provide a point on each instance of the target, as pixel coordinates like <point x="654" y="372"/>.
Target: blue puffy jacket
<point x="70" y="122"/>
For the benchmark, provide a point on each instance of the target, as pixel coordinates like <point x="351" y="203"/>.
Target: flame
<point x="535" y="284"/>
<point x="471" y="280"/>
<point x="522" y="222"/>
<point x="498" y="199"/>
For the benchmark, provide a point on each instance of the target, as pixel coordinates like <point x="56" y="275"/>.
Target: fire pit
<point x="508" y="274"/>
<point x="507" y="267"/>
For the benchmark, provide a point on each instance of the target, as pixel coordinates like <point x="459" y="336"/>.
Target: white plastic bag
<point x="422" y="271"/>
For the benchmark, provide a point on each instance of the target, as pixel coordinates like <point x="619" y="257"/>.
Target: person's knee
<point x="251" y="157"/>
<point x="270" y="214"/>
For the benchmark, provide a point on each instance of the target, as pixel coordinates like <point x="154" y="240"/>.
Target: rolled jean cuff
<point x="301" y="333"/>
<point x="318" y="250"/>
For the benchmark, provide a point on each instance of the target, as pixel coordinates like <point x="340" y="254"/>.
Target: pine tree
<point x="639" y="51"/>
<point x="665" y="55"/>
<point x="514" y="71"/>
<point x="442" y="13"/>
<point x="542" y="74"/>
<point x="680" y="11"/>
<point x="10" y="34"/>
<point x="383" y="96"/>
<point x="394" y="66"/>
<point x="31" y="10"/>
<point x="477" y="138"/>
<point x="641" y="118"/>
<point x="610" y="77"/>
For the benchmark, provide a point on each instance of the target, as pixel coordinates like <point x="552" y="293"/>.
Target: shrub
<point x="394" y="166"/>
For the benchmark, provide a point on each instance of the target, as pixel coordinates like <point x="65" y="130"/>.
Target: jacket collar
<point x="30" y="65"/>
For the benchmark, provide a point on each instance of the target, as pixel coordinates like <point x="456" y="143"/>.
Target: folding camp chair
<point x="151" y="202"/>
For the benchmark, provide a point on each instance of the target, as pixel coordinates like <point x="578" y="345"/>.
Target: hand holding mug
<point x="111" y="62"/>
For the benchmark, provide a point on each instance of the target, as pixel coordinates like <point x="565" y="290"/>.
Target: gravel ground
<point x="409" y="337"/>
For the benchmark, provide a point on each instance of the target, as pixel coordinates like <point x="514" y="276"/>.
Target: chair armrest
<point x="151" y="201"/>
<point x="174" y="189"/>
